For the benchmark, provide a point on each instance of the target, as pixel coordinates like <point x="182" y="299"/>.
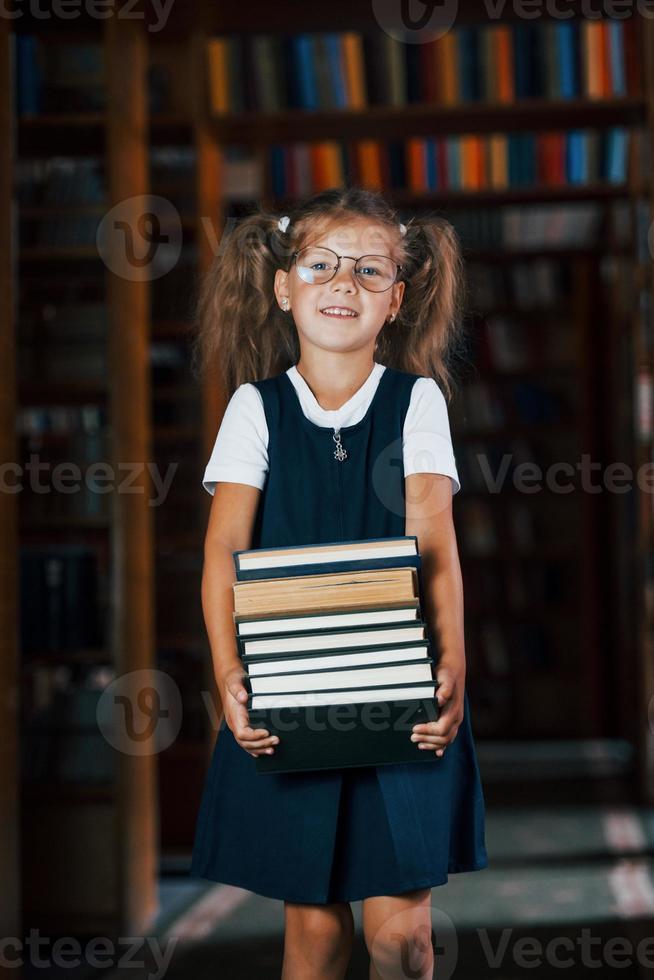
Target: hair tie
<point x="283" y="224"/>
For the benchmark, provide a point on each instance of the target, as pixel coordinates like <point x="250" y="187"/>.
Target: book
<point x="328" y="628"/>
<point x="358" y="732"/>
<point x="255" y="647"/>
<point x="330" y="557"/>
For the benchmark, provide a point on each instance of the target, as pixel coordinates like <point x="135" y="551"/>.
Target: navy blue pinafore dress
<point x="340" y="834"/>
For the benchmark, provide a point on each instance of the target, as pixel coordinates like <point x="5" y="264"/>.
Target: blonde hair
<point x="244" y="336"/>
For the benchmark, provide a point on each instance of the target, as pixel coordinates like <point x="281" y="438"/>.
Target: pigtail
<point x="242" y="334"/>
<point x="427" y="333"/>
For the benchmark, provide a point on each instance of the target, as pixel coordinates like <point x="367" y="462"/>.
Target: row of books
<point x="454" y="163"/>
<point x="60" y="232"/>
<point x="63" y="421"/>
<point x="557" y="226"/>
<point x="496" y="63"/>
<point x="505" y="343"/>
<point x="537" y="283"/>
<point x="57" y="77"/>
<point x="326" y="627"/>
<point x="505" y="649"/>
<point x="63" y="361"/>
<point x="59" y="608"/>
<point x="502" y="590"/>
<point x="480" y="462"/>
<point x="62" y="740"/>
<point x="485" y="405"/>
<point x="523" y="528"/>
<point x="60" y="180"/>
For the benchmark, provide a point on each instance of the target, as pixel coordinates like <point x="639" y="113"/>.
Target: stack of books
<point x="337" y="656"/>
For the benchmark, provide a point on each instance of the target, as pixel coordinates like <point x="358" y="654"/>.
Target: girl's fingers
<point x="262" y="744"/>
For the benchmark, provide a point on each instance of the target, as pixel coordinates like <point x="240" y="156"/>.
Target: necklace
<point x="340" y="453"/>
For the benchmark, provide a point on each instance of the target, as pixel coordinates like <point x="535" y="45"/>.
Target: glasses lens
<point x="316" y="265"/>
<point x="376" y="272"/>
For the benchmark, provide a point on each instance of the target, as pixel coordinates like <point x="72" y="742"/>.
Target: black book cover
<point x="344" y="736"/>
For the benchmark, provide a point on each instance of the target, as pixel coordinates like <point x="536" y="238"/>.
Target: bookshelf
<point x="9" y="738"/>
<point x="552" y="632"/>
<point x="213" y="167"/>
<point x="86" y="569"/>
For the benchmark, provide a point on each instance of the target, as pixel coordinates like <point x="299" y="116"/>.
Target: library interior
<point x="136" y="137"/>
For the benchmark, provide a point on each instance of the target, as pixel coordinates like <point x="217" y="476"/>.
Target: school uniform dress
<point x="340" y="834"/>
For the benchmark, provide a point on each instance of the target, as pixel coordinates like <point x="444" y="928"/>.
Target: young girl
<point x="329" y="328"/>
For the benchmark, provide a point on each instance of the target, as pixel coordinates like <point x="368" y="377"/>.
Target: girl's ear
<point x="398" y="293"/>
<point x="281" y="285"/>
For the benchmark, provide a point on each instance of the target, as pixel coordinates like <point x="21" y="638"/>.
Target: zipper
<point x="339" y="456"/>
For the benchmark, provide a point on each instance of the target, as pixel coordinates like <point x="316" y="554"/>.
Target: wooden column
<point x="10" y="897"/>
<point x="132" y="585"/>
<point x="209" y="228"/>
<point x="210" y="208"/>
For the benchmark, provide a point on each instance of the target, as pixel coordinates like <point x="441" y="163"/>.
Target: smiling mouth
<point x="345" y="315"/>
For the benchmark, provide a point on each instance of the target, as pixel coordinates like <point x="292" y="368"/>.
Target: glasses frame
<point x="398" y="267"/>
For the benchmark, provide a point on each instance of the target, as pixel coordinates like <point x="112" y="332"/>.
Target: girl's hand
<point x="436" y="735"/>
<point x="255" y="741"/>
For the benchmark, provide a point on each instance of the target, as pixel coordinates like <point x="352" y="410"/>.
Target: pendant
<point x="339" y="453"/>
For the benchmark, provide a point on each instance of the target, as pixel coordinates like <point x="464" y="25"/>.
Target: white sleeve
<point x="427" y="443"/>
<point x="240" y="452"/>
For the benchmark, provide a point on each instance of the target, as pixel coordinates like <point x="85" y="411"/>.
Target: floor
<point x="577" y="877"/>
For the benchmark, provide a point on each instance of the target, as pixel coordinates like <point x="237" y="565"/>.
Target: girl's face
<point x="308" y="302"/>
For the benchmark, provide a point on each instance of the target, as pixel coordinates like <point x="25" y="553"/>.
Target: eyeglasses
<point x="317" y="265"/>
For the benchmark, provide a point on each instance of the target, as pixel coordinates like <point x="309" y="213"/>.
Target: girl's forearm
<point x="218" y="577"/>
<point x="443" y="594"/>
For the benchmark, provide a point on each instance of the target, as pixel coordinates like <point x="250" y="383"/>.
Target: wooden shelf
<point x="290" y="17"/>
<point x="425" y="119"/>
<point x="84" y="132"/>
<point x="59" y="253"/>
<point x="65" y="793"/>
<point x="62" y="393"/>
<point x="91" y="657"/>
<point x="74" y="522"/>
<point x="488" y="197"/>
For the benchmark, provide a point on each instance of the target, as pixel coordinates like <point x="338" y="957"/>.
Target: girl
<point x="329" y="327"/>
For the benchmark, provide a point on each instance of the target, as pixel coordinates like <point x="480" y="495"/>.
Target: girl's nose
<point x="345" y="275"/>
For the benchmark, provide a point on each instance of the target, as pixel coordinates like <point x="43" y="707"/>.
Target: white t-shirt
<point x="240" y="452"/>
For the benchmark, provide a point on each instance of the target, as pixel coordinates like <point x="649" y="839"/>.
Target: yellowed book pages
<point x="325" y="592"/>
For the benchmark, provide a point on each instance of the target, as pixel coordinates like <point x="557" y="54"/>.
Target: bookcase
<point x="82" y="411"/>
<point x="557" y="364"/>
<point x="541" y="189"/>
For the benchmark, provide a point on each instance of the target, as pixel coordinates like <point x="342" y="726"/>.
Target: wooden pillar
<point x="10" y="896"/>
<point x="209" y="229"/>
<point x="132" y="552"/>
<point x="209" y="209"/>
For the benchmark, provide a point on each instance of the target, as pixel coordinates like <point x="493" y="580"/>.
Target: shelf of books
<point x="539" y="153"/>
<point x="9" y="668"/>
<point x="532" y="137"/>
<point x="77" y="628"/>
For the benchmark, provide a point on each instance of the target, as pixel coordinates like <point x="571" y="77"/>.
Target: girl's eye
<point x="369" y="269"/>
<point x="314" y="265"/>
